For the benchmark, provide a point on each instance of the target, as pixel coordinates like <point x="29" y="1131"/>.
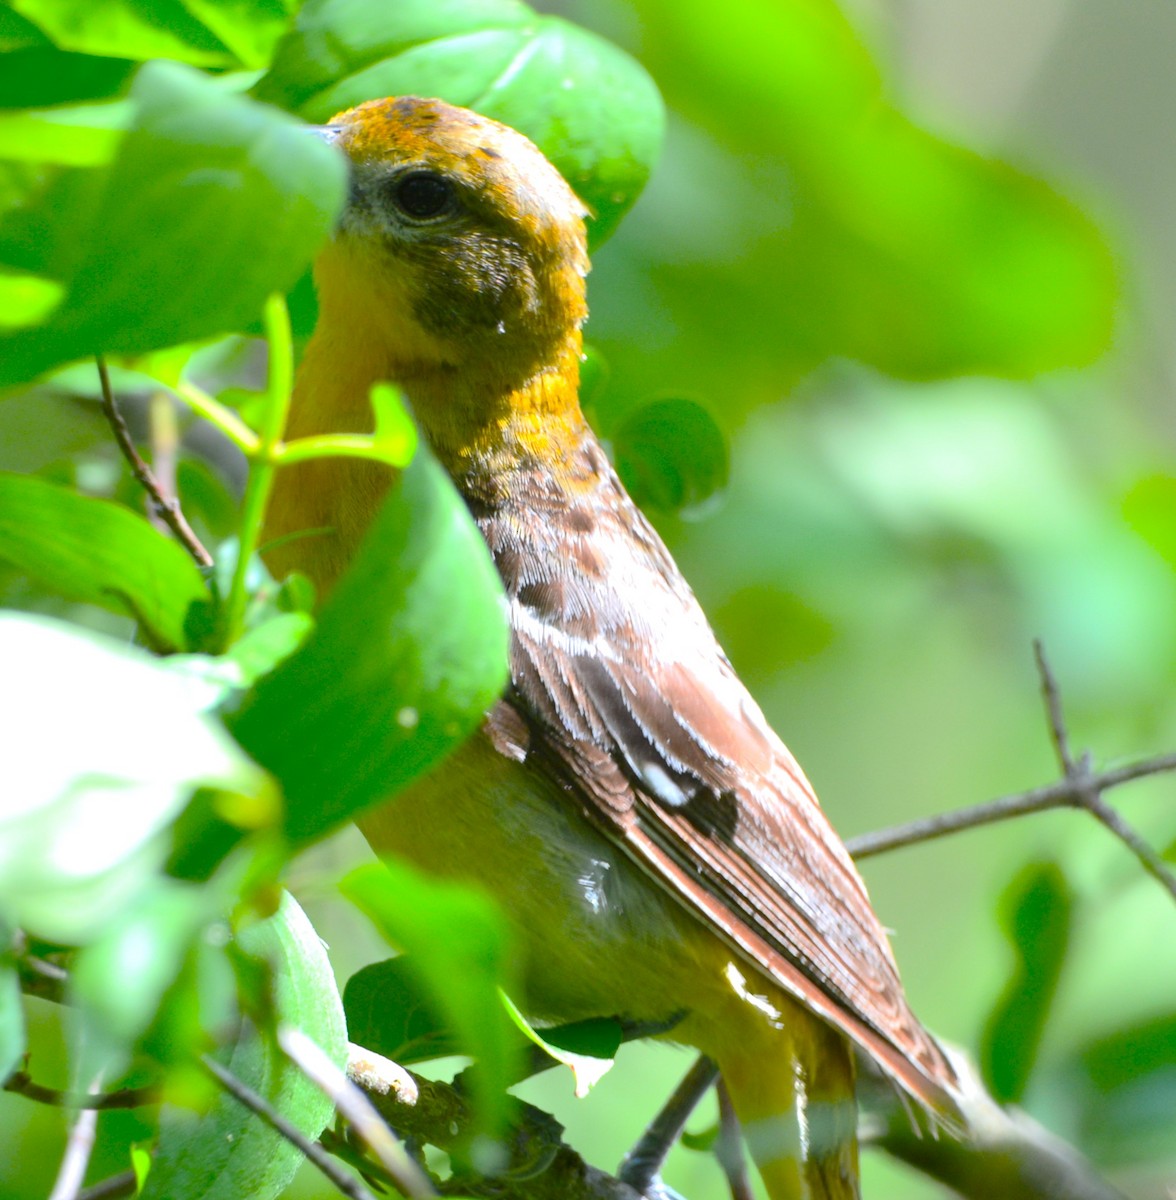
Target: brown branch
<point x="538" y="1167"/>
<point x="351" y="1102"/>
<point x="20" y="1083"/>
<point x="166" y="507"/>
<point x="347" y="1184"/>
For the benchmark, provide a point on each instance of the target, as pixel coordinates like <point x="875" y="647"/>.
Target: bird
<point x="661" y="853"/>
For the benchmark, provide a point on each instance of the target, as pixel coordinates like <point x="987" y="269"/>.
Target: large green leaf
<point x="227" y="1153"/>
<point x="407" y="657"/>
<point x="457" y="944"/>
<point x="99" y="552"/>
<point x="211" y="203"/>
<point x="103" y="744"/>
<point x="118" y="983"/>
<point x="590" y="108"/>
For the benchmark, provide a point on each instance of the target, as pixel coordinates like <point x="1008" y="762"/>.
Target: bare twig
<point x="1053" y="710"/>
<point x="310" y="1059"/>
<point x="1054" y="795"/>
<point x="114" y="1188"/>
<point x="347" y="1184"/>
<point x="1081" y="787"/>
<point x="167" y="507"/>
<point x="20" y="1083"/>
<point x="643" y="1163"/>
<point x="78" y="1148"/>
<point x="539" y="1166"/>
<point x="729" y="1147"/>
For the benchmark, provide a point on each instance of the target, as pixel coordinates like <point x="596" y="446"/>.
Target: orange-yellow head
<point x="460" y="256"/>
<point x="456" y="273"/>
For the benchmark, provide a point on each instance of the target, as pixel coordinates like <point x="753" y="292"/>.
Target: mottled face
<point x="462" y="224"/>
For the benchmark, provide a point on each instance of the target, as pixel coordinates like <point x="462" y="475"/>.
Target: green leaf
<point x="671" y="454"/>
<point x="94" y="728"/>
<point x="588" y="1048"/>
<point x="118" y="983"/>
<point x="125" y="29"/>
<point x="212" y="203"/>
<point x="101" y="553"/>
<point x="458" y="944"/>
<point x="227" y="1153"/>
<point x="390" y="1011"/>
<point x="1036" y="914"/>
<point x="408" y="655"/>
<point x="588" y="106"/>
<point x="12" y="1025"/>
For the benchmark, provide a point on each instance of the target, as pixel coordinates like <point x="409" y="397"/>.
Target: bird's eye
<point x="423" y="195"/>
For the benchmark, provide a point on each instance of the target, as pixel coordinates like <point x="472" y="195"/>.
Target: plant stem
<point x="263" y="459"/>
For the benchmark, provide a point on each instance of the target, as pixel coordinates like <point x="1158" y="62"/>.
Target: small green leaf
<point x="671" y="454"/>
<point x="1036" y="913"/>
<point x="94" y="728"/>
<point x="458" y="944"/>
<point x="395" y="435"/>
<point x="227" y="1153"/>
<point x="264" y="647"/>
<point x="99" y="552"/>
<point x="588" y="106"/>
<point x="589" y="1048"/>
<point x="212" y="203"/>
<point x="408" y="655"/>
<point x="390" y="1011"/>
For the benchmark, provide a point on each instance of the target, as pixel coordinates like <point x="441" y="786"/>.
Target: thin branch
<point x="78" y="1148"/>
<point x="729" y="1147"/>
<point x="347" y="1184"/>
<point x="167" y="507"/>
<point x="310" y="1059"/>
<point x="1089" y="795"/>
<point x="114" y="1188"/>
<point x="538" y="1167"/>
<point x="1063" y="794"/>
<point x="23" y="1085"/>
<point x="643" y="1163"/>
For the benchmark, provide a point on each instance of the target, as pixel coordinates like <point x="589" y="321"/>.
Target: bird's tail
<point x="799" y="1115"/>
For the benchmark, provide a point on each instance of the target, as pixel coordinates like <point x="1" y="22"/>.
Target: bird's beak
<point x="329" y="133"/>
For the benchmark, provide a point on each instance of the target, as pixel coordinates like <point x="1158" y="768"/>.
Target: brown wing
<point x="625" y="690"/>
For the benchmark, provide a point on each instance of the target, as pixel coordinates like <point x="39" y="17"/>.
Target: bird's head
<point x="461" y="252"/>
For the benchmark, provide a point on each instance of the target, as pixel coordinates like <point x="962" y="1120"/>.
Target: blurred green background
<point x="914" y="495"/>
